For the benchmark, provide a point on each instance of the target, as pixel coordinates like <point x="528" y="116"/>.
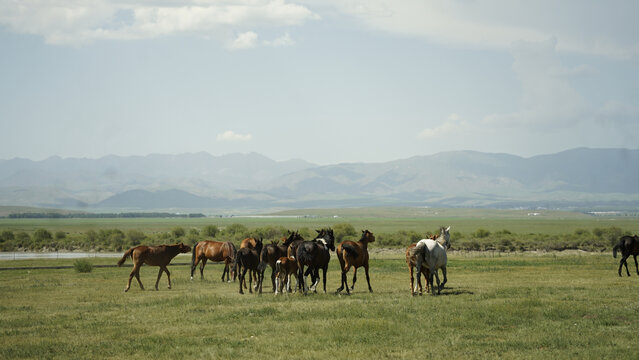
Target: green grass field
<point x="510" y="306"/>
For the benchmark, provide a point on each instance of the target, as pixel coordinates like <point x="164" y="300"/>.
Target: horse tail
<point x="263" y="257"/>
<point x="126" y="254"/>
<point x="418" y="249"/>
<point x="193" y="256"/>
<point x="351" y="250"/>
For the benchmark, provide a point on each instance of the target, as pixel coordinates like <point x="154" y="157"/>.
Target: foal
<point x="355" y="254"/>
<point x="285" y="267"/>
<point x="152" y="255"/>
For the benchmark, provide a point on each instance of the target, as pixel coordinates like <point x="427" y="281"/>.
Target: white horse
<point x="432" y="254"/>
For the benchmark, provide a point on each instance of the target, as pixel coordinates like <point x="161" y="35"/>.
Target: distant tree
<point x="342" y="231"/>
<point x="42" y="235"/>
<point x="210" y="230"/>
<point x="135" y="237"/>
<point x="178" y="232"/>
<point x="7" y="235"/>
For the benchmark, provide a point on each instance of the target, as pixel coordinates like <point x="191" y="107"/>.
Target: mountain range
<point x="577" y="178"/>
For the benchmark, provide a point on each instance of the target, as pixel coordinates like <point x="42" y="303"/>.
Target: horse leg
<point x="324" y="276"/>
<point x="202" y="265"/>
<point x="158" y="280"/>
<point x="301" y="281"/>
<point x="131" y="275"/>
<point x="368" y="279"/>
<point x="193" y="266"/>
<point x="412" y="280"/>
<point x="168" y="275"/>
<point x="445" y="278"/>
<point x="636" y="265"/>
<point x="624" y="260"/>
<point x="434" y="271"/>
<point x="354" y="277"/>
<point x="242" y="274"/>
<point x="225" y="271"/>
<point x="273" y="277"/>
<point x="418" y="267"/>
<point x="345" y="270"/>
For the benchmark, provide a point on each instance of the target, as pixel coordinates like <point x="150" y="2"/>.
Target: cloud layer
<point x="72" y="22"/>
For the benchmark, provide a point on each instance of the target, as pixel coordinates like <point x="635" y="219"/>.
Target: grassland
<point x="510" y="306"/>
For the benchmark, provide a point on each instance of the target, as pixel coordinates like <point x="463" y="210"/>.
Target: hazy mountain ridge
<point x="203" y="181"/>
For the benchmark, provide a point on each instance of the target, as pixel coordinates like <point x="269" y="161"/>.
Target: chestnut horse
<point x="410" y="261"/>
<point x="271" y="253"/>
<point x="285" y="267"/>
<point x="248" y="259"/>
<point x="152" y="255"/>
<point x="355" y="254"/>
<point x="214" y="251"/>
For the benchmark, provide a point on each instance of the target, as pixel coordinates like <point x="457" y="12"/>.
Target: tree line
<point x="598" y="239"/>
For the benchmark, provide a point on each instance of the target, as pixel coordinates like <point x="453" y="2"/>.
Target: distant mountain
<point x="574" y="178"/>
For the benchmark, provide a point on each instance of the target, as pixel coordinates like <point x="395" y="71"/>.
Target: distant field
<point x="555" y="306"/>
<point x="374" y="219"/>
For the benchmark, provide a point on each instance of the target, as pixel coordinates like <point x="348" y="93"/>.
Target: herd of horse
<point x="297" y="258"/>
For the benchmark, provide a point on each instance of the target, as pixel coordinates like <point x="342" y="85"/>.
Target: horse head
<point x="445" y="234"/>
<point x="329" y="238"/>
<point x="367" y="236"/>
<point x="259" y="244"/>
<point x="183" y="248"/>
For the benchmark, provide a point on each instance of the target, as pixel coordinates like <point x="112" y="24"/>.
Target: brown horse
<point x="285" y="267"/>
<point x="214" y="251"/>
<point x="354" y="254"/>
<point x="152" y="255"/>
<point x="411" y="261"/>
<point x="271" y="253"/>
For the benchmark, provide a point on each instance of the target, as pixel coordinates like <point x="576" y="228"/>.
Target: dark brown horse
<point x="250" y="243"/>
<point x="271" y="253"/>
<point x="629" y="245"/>
<point x="214" y="251"/>
<point x="248" y="259"/>
<point x="315" y="254"/>
<point x="355" y="254"/>
<point x="152" y="255"/>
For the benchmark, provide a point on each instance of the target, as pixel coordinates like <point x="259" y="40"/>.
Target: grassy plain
<point x="509" y="306"/>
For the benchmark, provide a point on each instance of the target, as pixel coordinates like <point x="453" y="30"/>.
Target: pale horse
<point x="432" y="254"/>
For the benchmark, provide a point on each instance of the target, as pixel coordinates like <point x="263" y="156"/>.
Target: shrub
<point x="210" y="230"/>
<point x="481" y="233"/>
<point x="7" y="235"/>
<point x="42" y="234"/>
<point x="136" y="237"/>
<point x="178" y="232"/>
<point x="82" y="266"/>
<point x="60" y="235"/>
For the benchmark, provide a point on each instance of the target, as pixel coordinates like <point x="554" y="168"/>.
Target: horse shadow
<point x="453" y="291"/>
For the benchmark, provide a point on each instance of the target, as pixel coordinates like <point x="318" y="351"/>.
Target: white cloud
<point x="245" y="40"/>
<point x="73" y="22"/>
<point x="548" y="100"/>
<point x="583" y="26"/>
<point x="452" y="125"/>
<point x="232" y="136"/>
<point x="284" y="40"/>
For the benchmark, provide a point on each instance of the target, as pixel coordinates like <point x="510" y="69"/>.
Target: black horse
<point x="273" y="252"/>
<point x="248" y="259"/>
<point x="629" y="245"/>
<point x="315" y="254"/>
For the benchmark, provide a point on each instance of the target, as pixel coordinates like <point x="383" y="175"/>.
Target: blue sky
<point x="325" y="81"/>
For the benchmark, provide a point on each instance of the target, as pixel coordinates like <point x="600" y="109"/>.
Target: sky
<point x="327" y="81"/>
